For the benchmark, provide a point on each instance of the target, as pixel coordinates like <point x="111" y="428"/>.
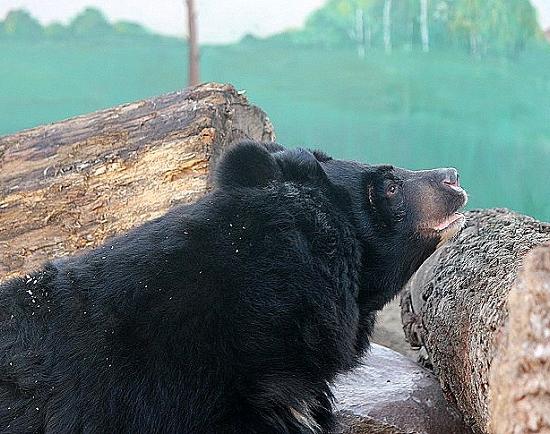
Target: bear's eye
<point x="391" y="190"/>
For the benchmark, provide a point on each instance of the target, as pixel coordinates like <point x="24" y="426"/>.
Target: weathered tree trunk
<point x="455" y="306"/>
<point x="72" y="184"/>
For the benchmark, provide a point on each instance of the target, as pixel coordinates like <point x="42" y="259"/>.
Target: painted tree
<point x="193" y="43"/>
<point x="424" y="29"/>
<point x="342" y="23"/>
<point x="498" y="26"/>
<point x="363" y="24"/>
<point x="91" y="22"/>
<point x="331" y="25"/>
<point x="387" y="25"/>
<point x="405" y="24"/>
<point x="360" y="32"/>
<point x="511" y="24"/>
<point x="440" y="14"/>
<point x="480" y="26"/>
<point x="20" y="24"/>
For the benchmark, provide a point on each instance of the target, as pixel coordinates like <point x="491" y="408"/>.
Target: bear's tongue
<point x="448" y="221"/>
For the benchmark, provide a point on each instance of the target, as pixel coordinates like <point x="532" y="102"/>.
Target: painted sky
<point x="219" y="20"/>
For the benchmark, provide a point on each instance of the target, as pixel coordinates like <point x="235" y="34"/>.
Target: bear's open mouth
<point x="447" y="228"/>
<point x="455" y="220"/>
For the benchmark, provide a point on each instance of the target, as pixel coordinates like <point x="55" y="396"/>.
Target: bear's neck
<point x="386" y="270"/>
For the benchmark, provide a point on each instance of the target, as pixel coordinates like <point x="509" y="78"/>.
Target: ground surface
<point x="388" y="331"/>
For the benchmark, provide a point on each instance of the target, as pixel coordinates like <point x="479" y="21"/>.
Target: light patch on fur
<point x="451" y="232"/>
<point x="305" y="418"/>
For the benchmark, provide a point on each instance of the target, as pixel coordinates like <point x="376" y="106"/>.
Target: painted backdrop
<point x="416" y="83"/>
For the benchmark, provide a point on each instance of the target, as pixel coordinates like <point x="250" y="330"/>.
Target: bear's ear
<point x="301" y="165"/>
<point x="248" y="164"/>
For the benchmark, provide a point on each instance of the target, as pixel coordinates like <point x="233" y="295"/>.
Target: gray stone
<point x="391" y="394"/>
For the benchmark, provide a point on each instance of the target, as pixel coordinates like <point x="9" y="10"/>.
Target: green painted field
<point x="489" y="118"/>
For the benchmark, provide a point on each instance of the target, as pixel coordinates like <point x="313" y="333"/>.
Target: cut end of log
<point x="537" y="261"/>
<point x="520" y="373"/>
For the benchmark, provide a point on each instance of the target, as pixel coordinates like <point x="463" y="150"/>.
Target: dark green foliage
<point x="56" y="31"/>
<point x="90" y="22"/>
<point x="20" y="24"/>
<point x="130" y="29"/>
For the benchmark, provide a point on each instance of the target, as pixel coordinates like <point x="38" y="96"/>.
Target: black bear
<point x="229" y="315"/>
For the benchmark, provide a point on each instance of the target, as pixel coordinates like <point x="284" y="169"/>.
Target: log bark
<point x="72" y="184"/>
<point x="455" y="307"/>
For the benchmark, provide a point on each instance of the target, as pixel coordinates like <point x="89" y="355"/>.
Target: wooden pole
<point x="193" y="41"/>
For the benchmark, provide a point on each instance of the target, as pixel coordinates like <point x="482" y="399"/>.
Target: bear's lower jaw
<point x="449" y="222"/>
<point x="445" y="229"/>
<point x="450" y="228"/>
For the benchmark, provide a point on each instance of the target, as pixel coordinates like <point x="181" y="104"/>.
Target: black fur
<point x="230" y="315"/>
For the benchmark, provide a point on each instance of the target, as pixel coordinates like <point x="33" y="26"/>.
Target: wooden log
<point x="455" y="306"/>
<point x="519" y="381"/>
<point x="72" y="184"/>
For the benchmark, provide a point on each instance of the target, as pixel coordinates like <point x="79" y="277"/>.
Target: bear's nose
<point x="450" y="177"/>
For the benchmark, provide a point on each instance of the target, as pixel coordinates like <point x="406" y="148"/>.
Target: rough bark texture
<point x="455" y="305"/>
<point x="519" y="382"/>
<point x="391" y="394"/>
<point x="70" y="185"/>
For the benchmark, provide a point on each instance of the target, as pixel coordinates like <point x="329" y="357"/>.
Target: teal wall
<point x="489" y="115"/>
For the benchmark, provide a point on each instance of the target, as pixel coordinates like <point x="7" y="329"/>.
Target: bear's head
<point x="400" y="216"/>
